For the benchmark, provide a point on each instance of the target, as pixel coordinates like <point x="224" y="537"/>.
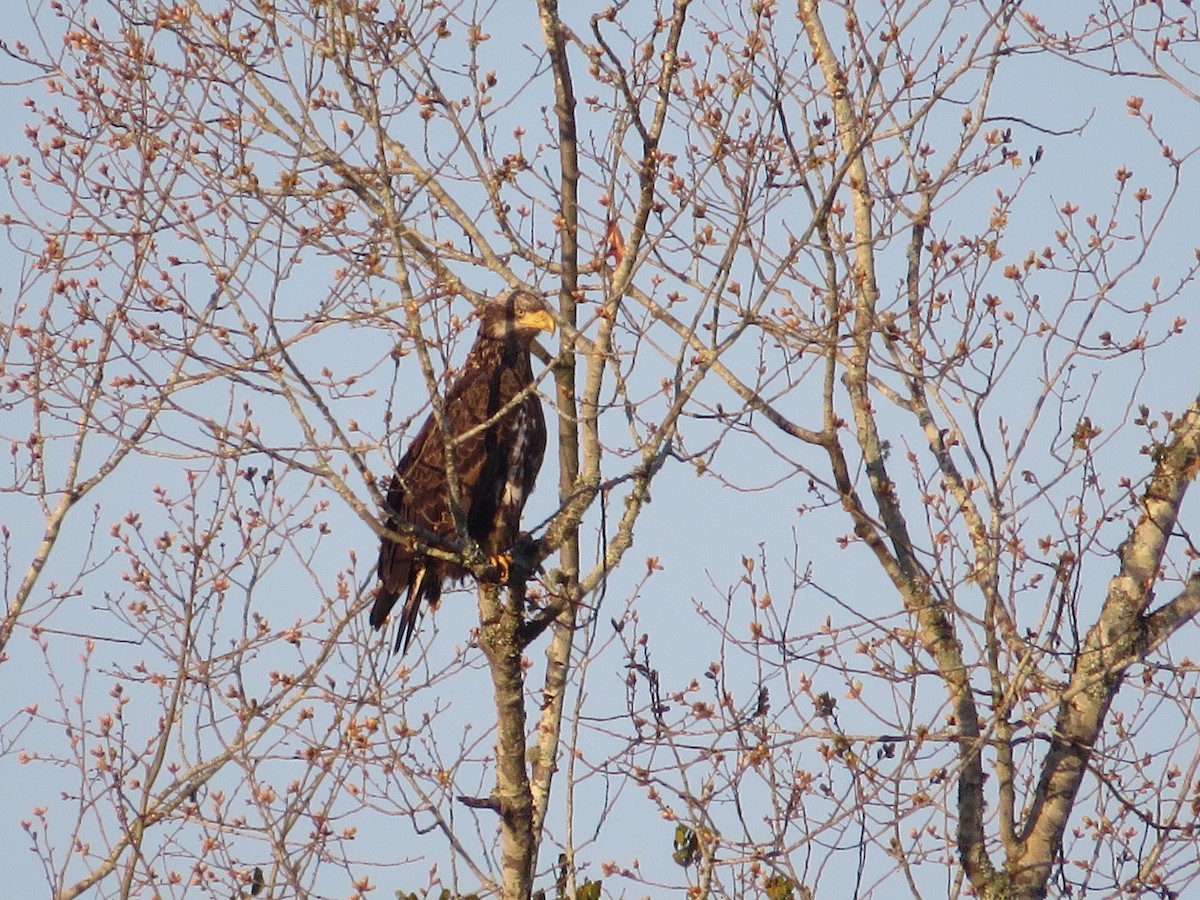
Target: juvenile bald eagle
<point x="498" y="446"/>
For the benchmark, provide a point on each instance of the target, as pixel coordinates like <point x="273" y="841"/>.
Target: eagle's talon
<point x="503" y="562"/>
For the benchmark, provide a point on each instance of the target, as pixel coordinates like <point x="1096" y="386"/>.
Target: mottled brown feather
<point x="507" y="453"/>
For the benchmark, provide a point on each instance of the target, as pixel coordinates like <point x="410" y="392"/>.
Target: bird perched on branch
<point x="497" y="437"/>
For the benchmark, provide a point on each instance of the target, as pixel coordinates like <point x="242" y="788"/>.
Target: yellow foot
<point x="503" y="562"/>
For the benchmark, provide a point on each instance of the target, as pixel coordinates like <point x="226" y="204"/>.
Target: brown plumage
<point x="496" y="464"/>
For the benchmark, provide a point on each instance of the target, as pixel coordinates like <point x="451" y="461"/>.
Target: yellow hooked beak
<point x="538" y="321"/>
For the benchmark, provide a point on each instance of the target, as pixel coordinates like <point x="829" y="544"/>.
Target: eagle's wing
<point x="419" y="493"/>
<point x="510" y="459"/>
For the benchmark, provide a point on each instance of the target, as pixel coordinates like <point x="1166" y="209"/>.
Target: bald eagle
<point x="497" y="446"/>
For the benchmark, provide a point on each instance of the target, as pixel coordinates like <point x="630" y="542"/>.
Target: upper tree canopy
<point x="865" y="555"/>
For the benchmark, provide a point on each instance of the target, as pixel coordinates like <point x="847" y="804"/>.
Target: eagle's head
<point x="515" y="314"/>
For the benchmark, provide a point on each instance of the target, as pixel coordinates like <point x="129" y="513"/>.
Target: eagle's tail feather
<point x="412" y="610"/>
<point x="384" y="601"/>
<point x="424" y="588"/>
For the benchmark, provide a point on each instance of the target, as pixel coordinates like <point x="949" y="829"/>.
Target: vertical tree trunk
<point x="499" y="637"/>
